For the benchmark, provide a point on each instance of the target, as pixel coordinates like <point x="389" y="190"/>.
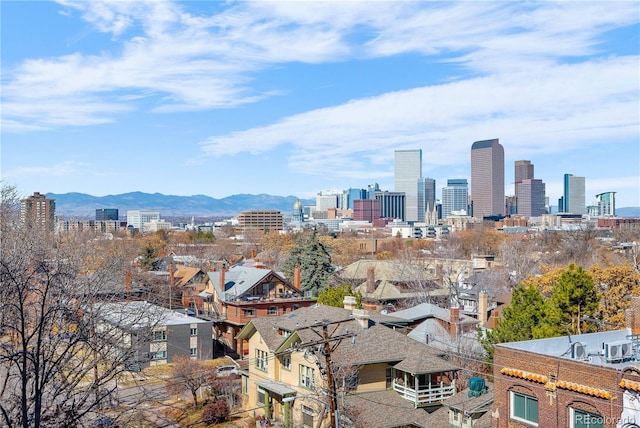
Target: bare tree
<point x="187" y="375"/>
<point x="55" y="369"/>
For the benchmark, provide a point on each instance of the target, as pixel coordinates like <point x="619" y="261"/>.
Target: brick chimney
<point x="221" y="279"/>
<point x="632" y="315"/>
<point x="127" y="280"/>
<point x="349" y="302"/>
<point x="454" y="321"/>
<point x="296" y="278"/>
<point x="371" y="280"/>
<point x="483" y="306"/>
<point x="253" y="254"/>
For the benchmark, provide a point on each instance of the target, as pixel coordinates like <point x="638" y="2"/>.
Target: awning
<point x="204" y="294"/>
<point x="277" y="388"/>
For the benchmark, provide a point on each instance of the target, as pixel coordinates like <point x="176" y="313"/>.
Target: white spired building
<point x="136" y="219"/>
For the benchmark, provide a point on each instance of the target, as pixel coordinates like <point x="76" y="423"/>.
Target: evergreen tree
<point x="576" y="297"/>
<point x="314" y="261"/>
<point x="530" y="316"/>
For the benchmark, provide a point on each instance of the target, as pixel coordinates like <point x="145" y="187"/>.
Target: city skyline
<point x="219" y="99"/>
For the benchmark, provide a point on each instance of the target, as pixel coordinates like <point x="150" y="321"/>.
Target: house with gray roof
<point x="234" y="296"/>
<point x="296" y="361"/>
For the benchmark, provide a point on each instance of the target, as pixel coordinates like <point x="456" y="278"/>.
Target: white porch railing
<point x="426" y="394"/>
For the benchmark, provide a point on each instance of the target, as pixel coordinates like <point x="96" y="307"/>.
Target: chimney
<point x="371" y="280"/>
<point x="632" y="315"/>
<point x="221" y="279"/>
<point x="362" y="317"/>
<point x="253" y="254"/>
<point x="296" y="278"/>
<point x="172" y="277"/>
<point x="483" y="306"/>
<point x="349" y="302"/>
<point x="127" y="280"/>
<point x="454" y="320"/>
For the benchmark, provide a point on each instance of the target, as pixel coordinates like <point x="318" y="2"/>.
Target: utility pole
<point x="329" y="343"/>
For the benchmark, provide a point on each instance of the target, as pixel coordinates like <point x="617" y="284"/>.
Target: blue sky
<point x="298" y="97"/>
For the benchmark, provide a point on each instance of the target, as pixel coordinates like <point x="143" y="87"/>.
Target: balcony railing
<point x="425" y="395"/>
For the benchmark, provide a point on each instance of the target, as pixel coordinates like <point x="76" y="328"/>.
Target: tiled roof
<point x="184" y="274"/>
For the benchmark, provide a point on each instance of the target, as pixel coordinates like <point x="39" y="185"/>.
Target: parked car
<point x="227" y="370"/>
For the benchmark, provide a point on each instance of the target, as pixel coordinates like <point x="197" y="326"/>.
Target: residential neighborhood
<point x="424" y="338"/>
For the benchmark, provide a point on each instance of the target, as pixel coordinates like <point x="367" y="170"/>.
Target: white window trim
<point x="511" y="408"/>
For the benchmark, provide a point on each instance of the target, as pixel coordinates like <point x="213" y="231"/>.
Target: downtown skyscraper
<point x="573" y="201"/>
<point x="487" y="178"/>
<point x="407" y="177"/>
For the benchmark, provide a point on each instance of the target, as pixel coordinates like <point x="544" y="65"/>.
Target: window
<point x="285" y="361"/>
<point x="261" y="360"/>
<point x="261" y="396"/>
<point x="193" y="331"/>
<point x="524" y="408"/>
<point x="193" y="352"/>
<point x="582" y="419"/>
<point x="159" y="335"/>
<point x="249" y="312"/>
<point x="306" y="376"/>
<point x="307" y="417"/>
<point x="294" y="307"/>
<point x="272" y="310"/>
<point x="389" y="376"/>
<point x="159" y="355"/>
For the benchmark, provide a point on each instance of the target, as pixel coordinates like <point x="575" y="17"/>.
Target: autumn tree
<point x="314" y="261"/>
<point x="575" y="297"/>
<point x="187" y="375"/>
<point x="616" y="283"/>
<point x="334" y="296"/>
<point x="275" y="248"/>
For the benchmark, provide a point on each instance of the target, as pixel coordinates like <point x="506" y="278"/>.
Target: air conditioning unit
<point x="618" y="351"/>
<point x="579" y="351"/>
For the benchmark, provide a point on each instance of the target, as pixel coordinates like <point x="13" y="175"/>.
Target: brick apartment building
<point x="589" y="380"/>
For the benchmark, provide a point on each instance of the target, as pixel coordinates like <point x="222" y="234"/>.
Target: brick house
<point x="234" y="296"/>
<point x="588" y="380"/>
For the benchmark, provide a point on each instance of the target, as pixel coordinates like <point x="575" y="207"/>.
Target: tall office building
<point x="606" y="203"/>
<point x="523" y="170"/>
<point x="455" y="197"/>
<point x="407" y="175"/>
<point x="427" y="193"/>
<point x="573" y="199"/>
<point x="366" y="210"/>
<point x="531" y="197"/>
<point x="37" y="211"/>
<point x="487" y="178"/>
<point x="354" y="195"/>
<point x="392" y="204"/>
<point x="104" y="214"/>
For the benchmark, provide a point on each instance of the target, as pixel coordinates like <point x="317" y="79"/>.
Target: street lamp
<point x="336" y="422"/>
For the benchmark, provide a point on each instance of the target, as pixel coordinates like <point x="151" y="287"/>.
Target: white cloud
<point x="203" y="61"/>
<point x="567" y="107"/>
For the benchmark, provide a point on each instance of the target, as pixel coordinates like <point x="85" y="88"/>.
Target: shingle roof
<point x="385" y="409"/>
<point x="239" y="279"/>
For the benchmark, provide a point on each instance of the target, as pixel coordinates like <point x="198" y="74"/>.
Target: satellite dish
<point x="384" y="312"/>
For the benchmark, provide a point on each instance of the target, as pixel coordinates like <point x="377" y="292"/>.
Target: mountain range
<point x="81" y="205"/>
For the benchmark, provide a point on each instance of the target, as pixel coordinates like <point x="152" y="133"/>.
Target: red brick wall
<point x="553" y="409"/>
